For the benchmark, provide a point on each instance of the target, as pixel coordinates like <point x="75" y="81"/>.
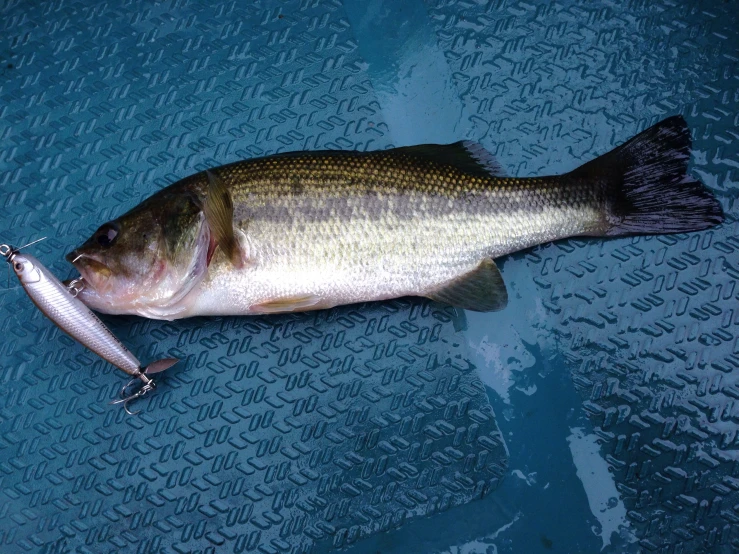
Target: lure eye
<point x="18" y="266"/>
<point x="107" y="235"/>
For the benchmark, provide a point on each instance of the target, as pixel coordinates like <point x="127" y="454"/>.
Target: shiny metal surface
<point x="56" y="302"/>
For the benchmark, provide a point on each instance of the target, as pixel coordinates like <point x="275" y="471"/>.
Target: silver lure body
<point x="57" y="303"/>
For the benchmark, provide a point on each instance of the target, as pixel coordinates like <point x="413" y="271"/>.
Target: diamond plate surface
<point x="276" y="435"/>
<point x="100" y="104"/>
<point x="290" y="434"/>
<point x="647" y="326"/>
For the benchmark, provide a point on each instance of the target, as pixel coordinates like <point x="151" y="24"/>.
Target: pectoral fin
<point x="219" y="212"/>
<point x="480" y="290"/>
<point x="288" y="304"/>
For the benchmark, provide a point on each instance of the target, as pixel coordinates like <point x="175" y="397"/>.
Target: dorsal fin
<point x="466" y="155"/>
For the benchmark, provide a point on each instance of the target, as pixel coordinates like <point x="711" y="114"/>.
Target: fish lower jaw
<point x="167" y="311"/>
<point x="83" y="289"/>
<point x="127" y="304"/>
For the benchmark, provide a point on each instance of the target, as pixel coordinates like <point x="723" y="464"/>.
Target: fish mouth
<point x="91" y="270"/>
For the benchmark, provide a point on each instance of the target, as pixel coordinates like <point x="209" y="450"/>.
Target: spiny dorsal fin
<point x="480" y="290"/>
<point x="219" y="211"/>
<point x="467" y="156"/>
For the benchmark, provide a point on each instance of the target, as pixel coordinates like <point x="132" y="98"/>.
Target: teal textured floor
<point x="613" y="374"/>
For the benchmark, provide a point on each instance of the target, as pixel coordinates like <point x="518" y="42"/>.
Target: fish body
<point x="311" y="230"/>
<point x="56" y="302"/>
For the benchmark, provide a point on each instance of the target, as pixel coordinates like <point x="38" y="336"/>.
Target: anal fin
<point x="480" y="290"/>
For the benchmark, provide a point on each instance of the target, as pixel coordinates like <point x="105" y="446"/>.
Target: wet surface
<point x="612" y="374"/>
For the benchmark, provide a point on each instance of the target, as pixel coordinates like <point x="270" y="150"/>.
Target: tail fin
<point x="160" y="365"/>
<point x="647" y="188"/>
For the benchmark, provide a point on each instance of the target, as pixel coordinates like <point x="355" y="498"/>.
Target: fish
<point x="58" y="302"/>
<point x="303" y="231"/>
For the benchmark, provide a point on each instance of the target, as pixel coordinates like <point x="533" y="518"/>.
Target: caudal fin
<point x="648" y="190"/>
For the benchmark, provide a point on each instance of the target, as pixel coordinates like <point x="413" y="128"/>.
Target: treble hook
<point x="76" y="286"/>
<point x="149" y="386"/>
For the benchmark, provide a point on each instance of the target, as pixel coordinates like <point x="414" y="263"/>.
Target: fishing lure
<point x="59" y="303"/>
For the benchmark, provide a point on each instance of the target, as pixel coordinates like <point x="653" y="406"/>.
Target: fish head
<point x="145" y="261"/>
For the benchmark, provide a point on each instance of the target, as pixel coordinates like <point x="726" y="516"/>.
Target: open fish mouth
<point x="91" y="270"/>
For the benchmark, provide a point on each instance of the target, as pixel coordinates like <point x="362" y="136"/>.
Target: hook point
<point x="143" y="391"/>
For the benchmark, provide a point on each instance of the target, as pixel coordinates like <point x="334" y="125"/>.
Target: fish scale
<point x="379" y="225"/>
<point x="312" y="230"/>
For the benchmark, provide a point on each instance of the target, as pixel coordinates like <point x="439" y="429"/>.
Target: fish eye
<point x="107" y="235"/>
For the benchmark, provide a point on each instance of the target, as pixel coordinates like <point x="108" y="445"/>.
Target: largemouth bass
<point x="312" y="230"/>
